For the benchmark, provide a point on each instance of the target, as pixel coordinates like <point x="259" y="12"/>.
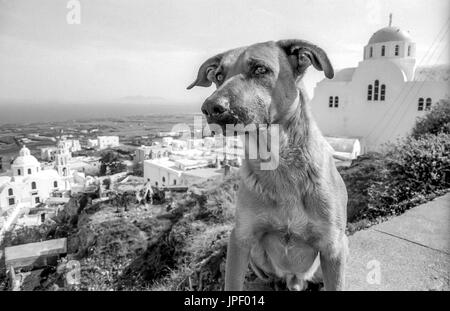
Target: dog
<point x="290" y="220"/>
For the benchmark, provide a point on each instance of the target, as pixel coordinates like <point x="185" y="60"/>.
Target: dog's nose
<point x="215" y="107"/>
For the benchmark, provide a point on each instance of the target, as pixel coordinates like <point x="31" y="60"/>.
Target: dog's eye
<point x="260" y="70"/>
<point x="219" y="77"/>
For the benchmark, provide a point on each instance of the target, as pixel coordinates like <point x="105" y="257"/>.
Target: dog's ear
<point x="204" y="75"/>
<point x="302" y="53"/>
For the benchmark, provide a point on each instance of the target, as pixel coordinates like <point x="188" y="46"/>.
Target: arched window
<point x="164" y="179"/>
<point x="369" y="92"/>
<point x="420" y="105"/>
<point x="55" y="184"/>
<point x="33" y="185"/>
<point x="29" y="171"/>
<point x="383" y="92"/>
<point x="174" y="182"/>
<point x="19" y="172"/>
<point x="428" y="104"/>
<point x="10" y="191"/>
<point x="396" y="50"/>
<point x="409" y="50"/>
<point x="375" y="91"/>
<point x="330" y="102"/>
<point x="371" y="51"/>
<point x="383" y="50"/>
<point x="336" y="101"/>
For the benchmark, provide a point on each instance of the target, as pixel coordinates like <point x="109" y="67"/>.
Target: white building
<point x="87" y="165"/>
<point x="162" y="172"/>
<point x="107" y="142"/>
<point x="188" y="160"/>
<point x="184" y="172"/>
<point x="381" y="98"/>
<point x="68" y="145"/>
<point x="62" y="157"/>
<point x="48" y="153"/>
<point x="345" y="148"/>
<point x="28" y="183"/>
<point x="151" y="152"/>
<point x="92" y="143"/>
<point x="166" y="141"/>
<point x="193" y="143"/>
<point x="189" y="178"/>
<point x="72" y="145"/>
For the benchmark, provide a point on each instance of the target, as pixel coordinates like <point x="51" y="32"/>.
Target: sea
<point x="17" y="113"/>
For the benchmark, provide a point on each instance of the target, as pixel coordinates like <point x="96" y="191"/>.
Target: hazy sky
<point x="153" y="48"/>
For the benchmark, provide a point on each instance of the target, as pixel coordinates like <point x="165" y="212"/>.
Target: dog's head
<point x="257" y="84"/>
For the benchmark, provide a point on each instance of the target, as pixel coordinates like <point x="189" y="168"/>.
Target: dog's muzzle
<point x="215" y="107"/>
<point x="217" y="110"/>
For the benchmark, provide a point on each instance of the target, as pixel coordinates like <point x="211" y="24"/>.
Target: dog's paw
<point x="295" y="284"/>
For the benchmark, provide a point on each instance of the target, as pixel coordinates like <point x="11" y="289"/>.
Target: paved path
<point x="408" y="252"/>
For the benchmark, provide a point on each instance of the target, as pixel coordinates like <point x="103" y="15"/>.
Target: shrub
<point x="138" y="169"/>
<point x="358" y="178"/>
<point x="111" y="162"/>
<point x="27" y="234"/>
<point x="414" y="169"/>
<point x="434" y="122"/>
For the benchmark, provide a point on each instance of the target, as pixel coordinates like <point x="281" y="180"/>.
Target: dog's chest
<point x="289" y="223"/>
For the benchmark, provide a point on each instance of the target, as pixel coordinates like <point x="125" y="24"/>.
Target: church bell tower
<point x="61" y="160"/>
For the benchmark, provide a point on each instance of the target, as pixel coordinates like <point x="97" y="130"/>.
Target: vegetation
<point x="189" y="254"/>
<point x="411" y="171"/>
<point x="24" y="235"/>
<point x="138" y="169"/>
<point x="434" y="122"/>
<point x="111" y="162"/>
<point x="363" y="172"/>
<point x="414" y="169"/>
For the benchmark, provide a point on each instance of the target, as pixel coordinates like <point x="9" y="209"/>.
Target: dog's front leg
<point x="333" y="266"/>
<point x="237" y="264"/>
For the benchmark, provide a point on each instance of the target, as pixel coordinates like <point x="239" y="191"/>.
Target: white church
<point x="28" y="184"/>
<point x="382" y="97"/>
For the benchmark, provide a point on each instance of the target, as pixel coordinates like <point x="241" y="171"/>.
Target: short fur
<point x="290" y="221"/>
